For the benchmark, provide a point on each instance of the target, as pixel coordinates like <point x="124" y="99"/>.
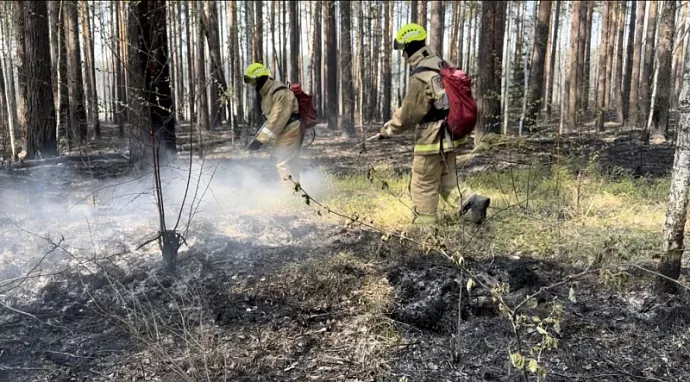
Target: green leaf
<point x="517" y="360"/>
<point x="571" y="295"/>
<point x="533" y="366"/>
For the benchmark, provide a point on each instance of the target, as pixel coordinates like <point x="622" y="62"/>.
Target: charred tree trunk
<point x="36" y="106"/>
<point x="536" y="80"/>
<point x="295" y="53"/>
<point x="552" y="59"/>
<point x="347" y="124"/>
<point x="636" y="106"/>
<point x="489" y="86"/>
<point x="437" y="24"/>
<point x="676" y="214"/>
<point x="629" y="62"/>
<point x="601" y="76"/>
<point x="647" y="68"/>
<point x="414" y="11"/>
<point x="331" y="64"/>
<point x="611" y="53"/>
<point x="664" y="82"/>
<point x="190" y="62"/>
<point x="422" y="13"/>
<point x="61" y="81"/>
<point x="236" y="64"/>
<point x="90" y="70"/>
<point x="258" y="45"/>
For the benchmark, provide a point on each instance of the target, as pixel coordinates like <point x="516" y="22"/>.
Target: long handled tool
<point x="255" y="135"/>
<point x="368" y="140"/>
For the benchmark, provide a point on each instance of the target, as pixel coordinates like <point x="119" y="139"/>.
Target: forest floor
<point x="270" y="288"/>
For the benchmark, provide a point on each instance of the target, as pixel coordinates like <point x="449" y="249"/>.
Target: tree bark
<point x="461" y="33"/>
<point x="258" y="37"/>
<point x="236" y="63"/>
<point x="586" y="67"/>
<point x="209" y="21"/>
<point x="664" y="82"/>
<point x="551" y="60"/>
<point x="295" y="53"/>
<point x="347" y="124"/>
<point x="572" y="84"/>
<point x="36" y="106"/>
<point x="422" y="13"/>
<point x="647" y="69"/>
<point x="489" y="86"/>
<point x="601" y="76"/>
<point x="619" y="61"/>
<point x="387" y="58"/>
<point x="61" y="82"/>
<point x="629" y="62"/>
<point x="316" y="57"/>
<point x="636" y="106"/>
<point x="676" y="213"/>
<point x="203" y="120"/>
<point x="54" y="21"/>
<point x="611" y="53"/>
<point x="437" y="27"/>
<point x="90" y="70"/>
<point x="414" y="11"/>
<point x="681" y="46"/>
<point x="536" y="80"/>
<point x="331" y="64"/>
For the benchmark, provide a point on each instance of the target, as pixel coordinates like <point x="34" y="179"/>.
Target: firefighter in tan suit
<point x="424" y="109"/>
<point x="282" y="126"/>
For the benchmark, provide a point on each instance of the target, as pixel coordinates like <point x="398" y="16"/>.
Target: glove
<point x="384" y="133"/>
<point x="255" y="145"/>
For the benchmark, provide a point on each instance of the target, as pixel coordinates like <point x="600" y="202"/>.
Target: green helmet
<point x="254" y="71"/>
<point x="408" y="33"/>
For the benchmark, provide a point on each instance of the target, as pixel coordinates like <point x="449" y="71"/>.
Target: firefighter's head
<point x="410" y="38"/>
<point x="256" y="74"/>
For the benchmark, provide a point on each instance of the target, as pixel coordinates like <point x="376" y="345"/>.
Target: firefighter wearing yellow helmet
<point x="424" y="109"/>
<point x="282" y="127"/>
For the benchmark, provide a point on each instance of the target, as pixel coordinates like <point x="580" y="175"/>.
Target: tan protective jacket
<point x="279" y="105"/>
<point x="424" y="91"/>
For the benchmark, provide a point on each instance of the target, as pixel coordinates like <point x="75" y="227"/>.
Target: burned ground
<point x="281" y="293"/>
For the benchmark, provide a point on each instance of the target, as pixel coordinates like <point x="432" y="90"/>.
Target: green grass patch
<point x="539" y="212"/>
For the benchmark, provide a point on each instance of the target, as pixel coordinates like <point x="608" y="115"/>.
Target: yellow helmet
<point x="408" y="33"/>
<point x="254" y="71"/>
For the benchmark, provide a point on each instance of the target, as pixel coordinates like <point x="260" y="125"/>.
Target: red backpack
<point x="307" y="112"/>
<point x="462" y="115"/>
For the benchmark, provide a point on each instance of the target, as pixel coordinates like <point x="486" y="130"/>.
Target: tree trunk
<point x="54" y="21"/>
<point x="258" y="45"/>
<point x="461" y="33"/>
<point x="6" y="112"/>
<point x="374" y="59"/>
<point x="536" y="80"/>
<point x="681" y="46"/>
<point x="586" y="35"/>
<point x="295" y="53"/>
<point x="78" y="122"/>
<point x="316" y="57"/>
<point x="414" y="11"/>
<point x="664" y="82"/>
<point x="190" y="61"/>
<point x="601" y="76"/>
<point x="422" y="13"/>
<point x="387" y="58"/>
<point x="571" y="83"/>
<point x="676" y="214"/>
<point x="454" y="32"/>
<point x="120" y="98"/>
<point x="61" y="82"/>
<point x="611" y="53"/>
<point x="629" y="62"/>
<point x="203" y="120"/>
<point x="331" y="64"/>
<point x="36" y="107"/>
<point x="619" y="62"/>
<point x="647" y="69"/>
<point x="551" y="60"/>
<point x="90" y="70"/>
<point x="219" y="87"/>
<point x="489" y="86"/>
<point x="347" y="124"/>
<point x="236" y="63"/>
<point x="636" y="106"/>
<point x="437" y="24"/>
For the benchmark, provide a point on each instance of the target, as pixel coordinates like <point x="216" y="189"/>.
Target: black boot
<point x="479" y="204"/>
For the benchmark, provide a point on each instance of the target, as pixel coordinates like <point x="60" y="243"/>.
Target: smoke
<point x="101" y="217"/>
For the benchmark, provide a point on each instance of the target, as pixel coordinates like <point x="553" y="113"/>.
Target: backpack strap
<point x="281" y="87"/>
<point x="422" y="69"/>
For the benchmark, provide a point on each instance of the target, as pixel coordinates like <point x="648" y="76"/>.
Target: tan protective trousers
<point x="434" y="176"/>
<point x="287" y="152"/>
